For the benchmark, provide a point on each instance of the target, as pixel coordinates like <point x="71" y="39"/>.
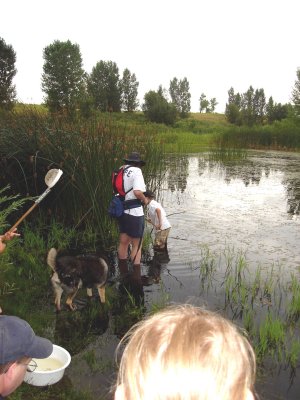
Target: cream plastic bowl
<point x="49" y="370"/>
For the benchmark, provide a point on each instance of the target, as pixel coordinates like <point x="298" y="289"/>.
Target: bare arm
<point x="7" y="236"/>
<point x="140" y="195"/>
<point x="158" y="212"/>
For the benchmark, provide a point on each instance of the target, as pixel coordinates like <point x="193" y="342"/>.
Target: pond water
<point x="223" y="212"/>
<point x="252" y="205"/>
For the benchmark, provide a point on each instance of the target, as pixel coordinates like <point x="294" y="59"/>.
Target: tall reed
<point x="87" y="151"/>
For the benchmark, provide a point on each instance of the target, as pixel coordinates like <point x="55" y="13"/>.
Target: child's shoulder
<point x="155" y="203"/>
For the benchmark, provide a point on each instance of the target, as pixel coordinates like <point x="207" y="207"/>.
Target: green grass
<point x="32" y="142"/>
<point x="264" y="303"/>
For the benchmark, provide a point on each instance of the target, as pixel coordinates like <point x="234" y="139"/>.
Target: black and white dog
<point x="70" y="273"/>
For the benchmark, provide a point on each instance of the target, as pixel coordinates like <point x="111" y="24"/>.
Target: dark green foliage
<point x="276" y="112"/>
<point x="180" y="95"/>
<point x="157" y="109"/>
<point x="233" y="113"/>
<point x="251" y="108"/>
<point x="213" y="104"/>
<point x="8" y="206"/>
<point x="7" y="73"/>
<point x="129" y="91"/>
<point x="204" y="103"/>
<point x="63" y="76"/>
<point x="104" y="86"/>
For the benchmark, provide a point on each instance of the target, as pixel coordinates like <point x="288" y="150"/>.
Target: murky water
<point x="218" y="211"/>
<point x="252" y="205"/>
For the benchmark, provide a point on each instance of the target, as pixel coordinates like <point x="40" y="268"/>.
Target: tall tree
<point x="63" y="76"/>
<point x="174" y="92"/>
<point x="247" y="108"/>
<point x="233" y="107"/>
<point x="129" y="91"/>
<point x="212" y="104"/>
<point x="7" y="73"/>
<point x="157" y="108"/>
<point x="180" y="96"/>
<point x="104" y="86"/>
<point x="204" y="103"/>
<point x="259" y="105"/>
<point x="276" y="111"/>
<point x="296" y="92"/>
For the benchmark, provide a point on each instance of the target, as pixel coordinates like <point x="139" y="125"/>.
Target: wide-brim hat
<point x="134" y="158"/>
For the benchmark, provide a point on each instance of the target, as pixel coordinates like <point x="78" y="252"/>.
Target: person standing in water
<point x="131" y="223"/>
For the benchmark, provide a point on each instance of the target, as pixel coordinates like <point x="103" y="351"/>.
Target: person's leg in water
<point x="124" y="242"/>
<point x="136" y="252"/>
<point x="131" y="232"/>
<point x="135" y="256"/>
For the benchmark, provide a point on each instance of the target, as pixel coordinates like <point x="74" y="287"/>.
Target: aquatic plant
<point x="293" y="308"/>
<point x="293" y="354"/>
<point x="283" y="134"/>
<point x="271" y="337"/>
<point x="87" y="151"/>
<point x="257" y="298"/>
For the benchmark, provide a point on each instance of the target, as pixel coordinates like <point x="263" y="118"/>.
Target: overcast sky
<point x="215" y="44"/>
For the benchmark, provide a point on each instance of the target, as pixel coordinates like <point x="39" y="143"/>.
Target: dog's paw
<point x="72" y="307"/>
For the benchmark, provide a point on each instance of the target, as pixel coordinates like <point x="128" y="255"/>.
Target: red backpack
<point x="118" y="181"/>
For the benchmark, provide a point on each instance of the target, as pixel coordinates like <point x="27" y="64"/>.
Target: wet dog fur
<point x="70" y="273"/>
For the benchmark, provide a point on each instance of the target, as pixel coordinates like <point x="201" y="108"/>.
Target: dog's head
<point x="69" y="270"/>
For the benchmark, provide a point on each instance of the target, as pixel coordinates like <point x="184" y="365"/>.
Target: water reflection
<point x="76" y="330"/>
<point x="250" y="170"/>
<point x="177" y="173"/>
<point x="247" y="210"/>
<point x="251" y="203"/>
<point x="156" y="264"/>
<point x="293" y="195"/>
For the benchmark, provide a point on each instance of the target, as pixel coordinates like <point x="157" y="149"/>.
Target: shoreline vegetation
<point x="75" y="216"/>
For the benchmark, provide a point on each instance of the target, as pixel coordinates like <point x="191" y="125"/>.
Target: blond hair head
<point x="186" y="353"/>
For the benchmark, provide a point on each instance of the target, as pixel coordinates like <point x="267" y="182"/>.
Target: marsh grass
<point x="283" y="135"/>
<point x="271" y="338"/>
<point x="293" y="354"/>
<point x="227" y="154"/>
<point x="185" y="142"/>
<point x="294" y="305"/>
<point x="264" y="301"/>
<point x="32" y="142"/>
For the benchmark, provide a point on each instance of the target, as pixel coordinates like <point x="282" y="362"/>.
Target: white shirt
<point x="152" y="207"/>
<point x="133" y="178"/>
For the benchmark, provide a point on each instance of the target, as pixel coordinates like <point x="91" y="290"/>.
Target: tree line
<point x="68" y="88"/>
<point x="251" y="108"/>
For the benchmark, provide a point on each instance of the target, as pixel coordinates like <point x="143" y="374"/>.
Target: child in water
<point x="158" y="218"/>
